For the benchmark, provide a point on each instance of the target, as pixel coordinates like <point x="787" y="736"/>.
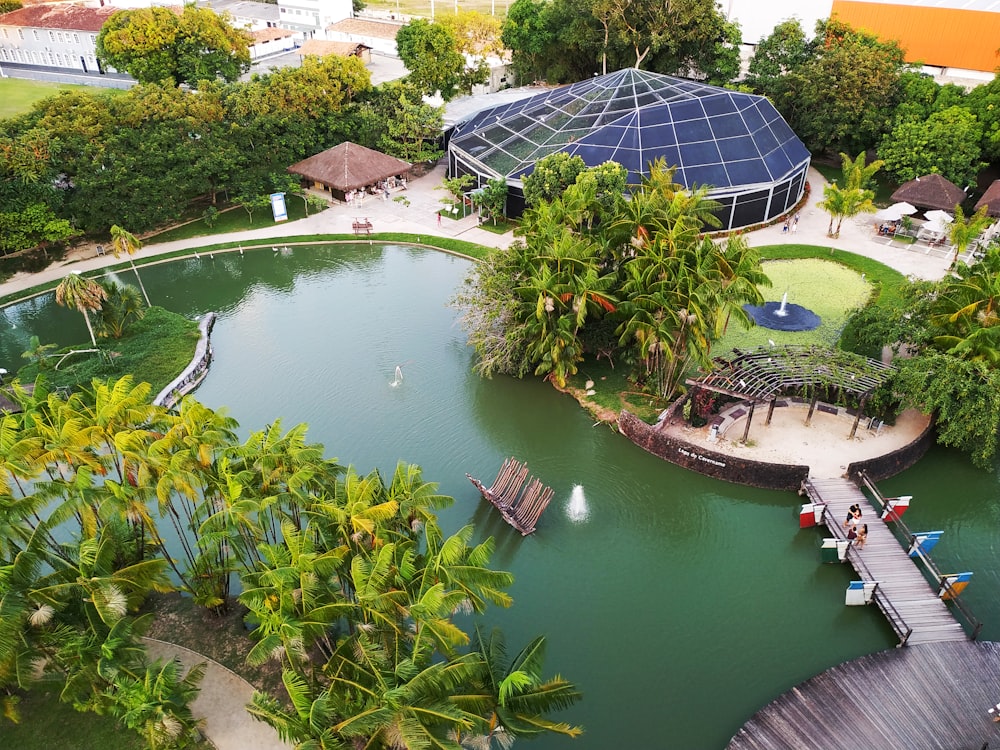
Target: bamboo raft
<point x="520" y="499"/>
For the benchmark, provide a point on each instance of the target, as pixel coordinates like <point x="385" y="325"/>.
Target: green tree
<point x="842" y="98"/>
<point x="430" y="52"/>
<point x="157" y="703"/>
<point x="156" y="44"/>
<point x="122" y="305"/>
<point x="528" y="35"/>
<point x="551" y="176"/>
<point x="784" y="50"/>
<point x="947" y="142"/>
<point x="492" y="198"/>
<point x="83" y="294"/>
<point x="410" y="127"/>
<point x="962" y="231"/>
<point x="123" y="241"/>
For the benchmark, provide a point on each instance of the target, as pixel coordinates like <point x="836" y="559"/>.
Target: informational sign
<point x="278" y="207"/>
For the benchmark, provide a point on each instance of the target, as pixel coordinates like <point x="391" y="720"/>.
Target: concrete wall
<point x="891" y="464"/>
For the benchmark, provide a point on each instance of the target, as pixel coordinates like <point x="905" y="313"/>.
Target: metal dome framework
<point x="737" y="144"/>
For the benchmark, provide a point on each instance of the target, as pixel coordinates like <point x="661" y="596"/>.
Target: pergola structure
<point x="762" y="375"/>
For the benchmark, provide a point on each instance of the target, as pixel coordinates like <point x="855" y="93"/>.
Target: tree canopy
<point x="430" y="52"/>
<point x="350" y="586"/>
<point x="157" y="44"/>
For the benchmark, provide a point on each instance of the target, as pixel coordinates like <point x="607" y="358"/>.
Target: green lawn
<point x="46" y="724"/>
<point x="17" y="95"/>
<point x="233" y="219"/>
<point x="884" y="187"/>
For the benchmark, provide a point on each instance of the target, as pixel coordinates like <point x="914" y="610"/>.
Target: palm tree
<point x="84" y="294"/>
<point x="513" y="693"/>
<point x="121" y="306"/>
<point x="963" y="231"/>
<point x="157" y="703"/>
<point x="858" y="175"/>
<point x="123" y="241"/>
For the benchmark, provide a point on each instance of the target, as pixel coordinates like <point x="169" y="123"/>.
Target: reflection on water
<point x="679" y="604"/>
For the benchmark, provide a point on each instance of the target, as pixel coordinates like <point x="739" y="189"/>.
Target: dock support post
<point x="746" y="430"/>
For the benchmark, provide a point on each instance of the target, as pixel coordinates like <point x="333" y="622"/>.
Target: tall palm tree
<point x="123" y="241"/>
<point x="84" y="294"/>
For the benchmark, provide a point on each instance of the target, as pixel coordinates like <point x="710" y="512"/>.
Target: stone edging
<point x="195" y="372"/>
<point x="769" y="476"/>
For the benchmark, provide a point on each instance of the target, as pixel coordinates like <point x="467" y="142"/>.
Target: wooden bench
<point x="362" y="226"/>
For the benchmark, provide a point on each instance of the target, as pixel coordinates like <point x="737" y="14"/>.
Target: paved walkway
<point x="221" y="704"/>
<point x="420" y="218"/>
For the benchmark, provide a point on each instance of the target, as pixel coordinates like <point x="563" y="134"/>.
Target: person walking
<point x="795" y="222"/>
<point x="439" y="218"/>
<point x="862" y="536"/>
<point x="784" y="227"/>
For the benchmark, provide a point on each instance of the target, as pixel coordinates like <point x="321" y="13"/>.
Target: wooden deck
<point x="928" y="697"/>
<point x="904" y="596"/>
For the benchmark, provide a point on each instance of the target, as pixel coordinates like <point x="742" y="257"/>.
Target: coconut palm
<point x="122" y="305"/>
<point x="83" y="294"/>
<point x="123" y="241"/>
<point x="157" y="703"/>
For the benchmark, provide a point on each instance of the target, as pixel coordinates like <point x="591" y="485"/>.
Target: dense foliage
<point x="89" y="160"/>
<point x="430" y="51"/>
<point x="683" y="37"/>
<point x="951" y="331"/>
<point x="157" y="44"/>
<point x="632" y="280"/>
<point x="348" y="581"/>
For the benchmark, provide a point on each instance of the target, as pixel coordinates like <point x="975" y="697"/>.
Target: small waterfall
<point x="577" y="509"/>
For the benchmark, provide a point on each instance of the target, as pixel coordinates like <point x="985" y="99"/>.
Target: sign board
<point x="278" y="207"/>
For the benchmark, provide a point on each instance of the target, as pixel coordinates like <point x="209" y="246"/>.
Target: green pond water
<point x="679" y="604"/>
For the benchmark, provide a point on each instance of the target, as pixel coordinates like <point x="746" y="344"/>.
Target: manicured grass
<point x="501" y="227"/>
<point x="233" y="219"/>
<point x="47" y="724"/>
<point x="153" y="350"/>
<point x="831" y="290"/>
<point x="18" y="94"/>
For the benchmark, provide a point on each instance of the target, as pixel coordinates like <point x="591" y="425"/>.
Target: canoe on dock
<point x="519" y="498"/>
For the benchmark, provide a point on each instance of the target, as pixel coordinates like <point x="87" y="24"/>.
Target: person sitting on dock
<point x="862" y="537"/>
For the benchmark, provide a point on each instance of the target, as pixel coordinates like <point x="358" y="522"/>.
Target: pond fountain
<point x="782" y="316"/>
<point x="664" y="594"/>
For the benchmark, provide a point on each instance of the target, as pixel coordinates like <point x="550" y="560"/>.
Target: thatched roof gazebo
<point x="348" y="167"/>
<point x="930" y="191"/>
<point x="991" y="199"/>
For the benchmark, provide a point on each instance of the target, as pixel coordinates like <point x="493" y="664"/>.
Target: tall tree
<point x="83" y="294"/>
<point x="123" y="241"/>
<point x="157" y="44"/>
<point x="430" y="52"/>
<point x="947" y="142"/>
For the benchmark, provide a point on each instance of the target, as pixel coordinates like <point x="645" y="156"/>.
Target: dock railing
<point x="903" y="631"/>
<point x="931" y="572"/>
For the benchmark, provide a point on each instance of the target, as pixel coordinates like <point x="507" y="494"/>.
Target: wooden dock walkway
<point x="933" y="697"/>
<point x="908" y="601"/>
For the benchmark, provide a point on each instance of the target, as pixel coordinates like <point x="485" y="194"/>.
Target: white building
<point x="311" y="17"/>
<point x="56" y="37"/>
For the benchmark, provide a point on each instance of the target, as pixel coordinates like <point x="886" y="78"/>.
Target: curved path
<point x="928" y="697"/>
<point x="221" y="704"/>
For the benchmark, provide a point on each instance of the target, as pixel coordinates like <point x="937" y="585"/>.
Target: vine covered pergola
<point x="762" y="375"/>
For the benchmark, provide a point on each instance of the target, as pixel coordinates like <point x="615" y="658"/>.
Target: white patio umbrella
<point x="942" y="217"/>
<point x="933" y="227"/>
<point x="895" y="212"/>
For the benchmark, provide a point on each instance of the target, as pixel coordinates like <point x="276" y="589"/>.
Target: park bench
<point x="362" y="226"/>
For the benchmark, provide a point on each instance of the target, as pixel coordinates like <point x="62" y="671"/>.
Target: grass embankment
<point x="153" y="350"/>
<point x="230" y="219"/>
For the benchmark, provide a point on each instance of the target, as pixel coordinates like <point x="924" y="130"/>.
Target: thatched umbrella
<point x="991" y="198"/>
<point x="930" y="191"/>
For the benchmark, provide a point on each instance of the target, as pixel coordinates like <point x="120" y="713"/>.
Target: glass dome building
<point x="736" y="144"/>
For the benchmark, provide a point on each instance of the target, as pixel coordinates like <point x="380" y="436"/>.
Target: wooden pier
<point x="520" y="499"/>
<point x="913" y="608"/>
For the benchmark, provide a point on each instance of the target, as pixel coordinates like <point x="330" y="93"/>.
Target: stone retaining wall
<point x="719" y="465"/>
<point x="195" y="372"/>
<point x="891" y="464"/>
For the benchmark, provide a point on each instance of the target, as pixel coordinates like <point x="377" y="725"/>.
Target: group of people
<point x="791" y="223"/>
<point x="856" y="531"/>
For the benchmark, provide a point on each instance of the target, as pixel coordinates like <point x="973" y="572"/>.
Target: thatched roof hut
<point x="348" y="167"/>
<point x="930" y="191"/>
<point x="991" y="198"/>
